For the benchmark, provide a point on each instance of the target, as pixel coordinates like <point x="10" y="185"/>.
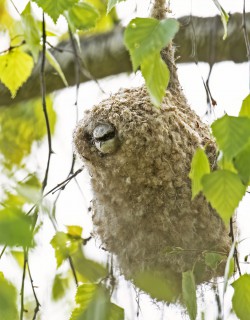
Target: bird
<point x="139" y="158"/>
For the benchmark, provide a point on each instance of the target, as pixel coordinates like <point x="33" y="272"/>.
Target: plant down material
<point x="143" y="212"/>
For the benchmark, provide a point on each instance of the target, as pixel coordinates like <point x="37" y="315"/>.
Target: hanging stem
<point x="159" y="11"/>
<point x="45" y="111"/>
<point x="34" y="293"/>
<point x="22" y="286"/>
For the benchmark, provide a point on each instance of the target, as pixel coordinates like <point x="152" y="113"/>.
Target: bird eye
<point x="105" y="138"/>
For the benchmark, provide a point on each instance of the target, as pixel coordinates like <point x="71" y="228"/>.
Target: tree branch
<point x="105" y="54"/>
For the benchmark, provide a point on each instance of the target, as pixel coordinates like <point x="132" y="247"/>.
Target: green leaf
<point x="21" y="125"/>
<point x="146" y="36"/>
<point x="88" y="269"/>
<point x="15" y="227"/>
<point x="199" y="167"/>
<point x="31" y="31"/>
<point x="83" y="298"/>
<point x="28" y="193"/>
<point x="156" y="75"/>
<point x="8" y="299"/>
<point x="226" y="164"/>
<point x="56" y="66"/>
<point x="241" y="297"/>
<point x="13" y="200"/>
<point x="241" y="163"/>
<point x="189" y="293"/>
<point x="55" y="7"/>
<point x="166" y="288"/>
<point x="15" y="68"/>
<point x="59" y="287"/>
<point x="213" y="259"/>
<point x="111" y="4"/>
<point x="83" y="16"/>
<point x="64" y="247"/>
<point x="232" y="134"/>
<point x="245" y="107"/>
<point x="93" y="302"/>
<point x="19" y="257"/>
<point x="224" y="17"/>
<point x="116" y="312"/>
<point x="31" y="181"/>
<point x="224" y="190"/>
<point x="74" y="231"/>
<point x="105" y="22"/>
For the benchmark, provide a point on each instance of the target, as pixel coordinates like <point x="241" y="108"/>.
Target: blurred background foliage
<point x="21" y="126"/>
<point x="23" y="209"/>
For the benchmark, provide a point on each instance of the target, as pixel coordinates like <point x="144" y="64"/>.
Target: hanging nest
<point x="139" y="159"/>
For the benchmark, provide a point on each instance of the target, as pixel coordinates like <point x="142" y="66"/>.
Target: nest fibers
<point x="139" y="158"/>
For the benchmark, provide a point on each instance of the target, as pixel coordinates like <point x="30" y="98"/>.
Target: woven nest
<point x="139" y="160"/>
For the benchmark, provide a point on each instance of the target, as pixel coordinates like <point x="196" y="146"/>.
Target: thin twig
<point x="72" y="164"/>
<point x="73" y="270"/>
<point x="58" y="187"/>
<point x="34" y="293"/>
<point x="244" y="27"/>
<point x="86" y="240"/>
<point x="77" y="68"/>
<point x="2" y="252"/>
<point x="79" y="188"/>
<point x="112" y="278"/>
<point x="45" y="111"/>
<point x="13" y="47"/>
<point x="218" y="301"/>
<point x="137" y="299"/>
<point x="15" y="7"/>
<point x="22" y="285"/>
<point x="64" y="183"/>
<point x="210" y="100"/>
<point x="236" y="258"/>
<point x="81" y="67"/>
<point x="61" y="50"/>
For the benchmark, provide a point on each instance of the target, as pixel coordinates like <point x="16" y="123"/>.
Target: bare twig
<point x="80" y="67"/>
<point x="64" y="183"/>
<point x="34" y="293"/>
<point x="61" y="50"/>
<point x="112" y="279"/>
<point x="13" y="47"/>
<point x="210" y="100"/>
<point x="77" y="71"/>
<point x="2" y="252"/>
<point x="236" y="258"/>
<point x="86" y="240"/>
<point x="59" y="187"/>
<point x="218" y="301"/>
<point x="22" y="285"/>
<point x="43" y="93"/>
<point x="137" y="299"/>
<point x="244" y="27"/>
<point x="73" y="270"/>
<point x="15" y="7"/>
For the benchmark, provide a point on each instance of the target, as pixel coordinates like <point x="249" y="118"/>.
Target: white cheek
<point x="108" y="146"/>
<point x="98" y="145"/>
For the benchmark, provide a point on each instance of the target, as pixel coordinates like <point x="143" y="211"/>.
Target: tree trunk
<point x="199" y="39"/>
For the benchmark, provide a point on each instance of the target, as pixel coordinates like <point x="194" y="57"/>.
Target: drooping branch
<point x="160" y="11"/>
<point x="105" y="54"/>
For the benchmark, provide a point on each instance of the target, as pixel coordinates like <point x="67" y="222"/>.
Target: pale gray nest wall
<point x="142" y="193"/>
